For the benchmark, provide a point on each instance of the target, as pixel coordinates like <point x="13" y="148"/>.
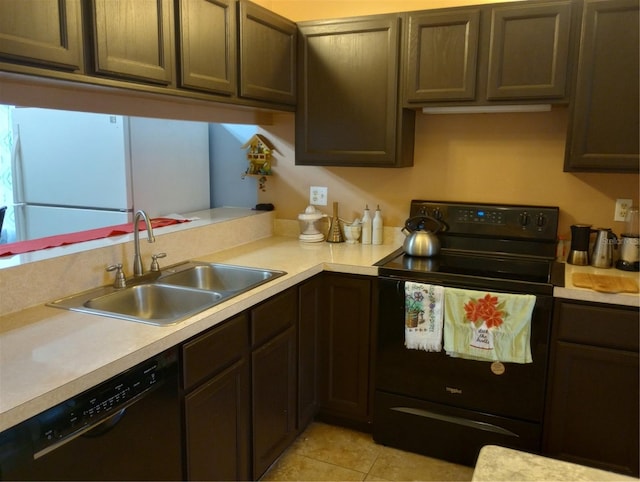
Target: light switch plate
<point x="318" y="196"/>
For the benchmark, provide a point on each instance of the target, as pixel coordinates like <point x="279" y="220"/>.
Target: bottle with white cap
<point x="366" y="226"/>
<point x="376" y="235"/>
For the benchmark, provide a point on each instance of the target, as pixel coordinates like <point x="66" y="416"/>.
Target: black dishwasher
<point x="127" y="428"/>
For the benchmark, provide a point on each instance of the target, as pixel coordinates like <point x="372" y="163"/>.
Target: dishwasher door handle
<point x="95" y="430"/>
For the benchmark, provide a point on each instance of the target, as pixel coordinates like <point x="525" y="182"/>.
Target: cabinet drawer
<point x="215" y="350"/>
<point x="273" y="316"/>
<point x="599" y="325"/>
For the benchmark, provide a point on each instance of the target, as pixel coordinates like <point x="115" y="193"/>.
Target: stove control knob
<point x="525" y="219"/>
<point x="437" y="214"/>
<point x="540" y="220"/>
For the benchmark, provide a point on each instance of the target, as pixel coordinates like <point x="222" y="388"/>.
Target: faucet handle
<point x="154" y="261"/>
<point x="120" y="281"/>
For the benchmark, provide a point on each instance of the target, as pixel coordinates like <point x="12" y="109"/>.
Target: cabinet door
<point x="348" y="112"/>
<point x="208" y="45"/>
<point x="593" y="418"/>
<point x="134" y="39"/>
<point x="529" y="51"/>
<point x="46" y="33"/>
<point x="274" y="399"/>
<point x="311" y="301"/>
<point x="215" y="373"/>
<point x="345" y="344"/>
<point x="442" y="55"/>
<point x="267" y="55"/>
<point x="604" y="127"/>
<point x="217" y="426"/>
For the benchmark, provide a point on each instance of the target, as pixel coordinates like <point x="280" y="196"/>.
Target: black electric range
<point x="448" y="407"/>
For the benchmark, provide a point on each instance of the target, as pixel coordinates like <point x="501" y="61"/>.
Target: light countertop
<point x="48" y="355"/>
<point x="502" y="464"/>
<point x="573" y="292"/>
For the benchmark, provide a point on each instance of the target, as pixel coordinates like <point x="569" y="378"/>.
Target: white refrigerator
<point x="74" y="171"/>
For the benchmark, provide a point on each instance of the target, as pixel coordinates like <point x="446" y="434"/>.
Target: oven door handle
<point x="487" y="427"/>
<point x="400" y="288"/>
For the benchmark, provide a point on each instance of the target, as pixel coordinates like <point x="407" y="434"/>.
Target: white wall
<point x="228" y="163"/>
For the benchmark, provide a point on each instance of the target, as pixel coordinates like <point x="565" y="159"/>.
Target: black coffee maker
<point x="580" y="237"/>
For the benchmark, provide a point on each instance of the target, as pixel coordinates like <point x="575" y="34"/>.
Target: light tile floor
<point x="328" y="453"/>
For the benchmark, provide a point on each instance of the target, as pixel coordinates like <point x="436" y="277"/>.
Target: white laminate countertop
<point x="502" y="464"/>
<point x="48" y="355"/>
<point x="584" y="294"/>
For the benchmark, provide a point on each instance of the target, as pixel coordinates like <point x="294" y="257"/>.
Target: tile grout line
<point x="334" y="464"/>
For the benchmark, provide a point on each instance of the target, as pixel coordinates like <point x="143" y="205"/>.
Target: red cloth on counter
<point x="89" y="235"/>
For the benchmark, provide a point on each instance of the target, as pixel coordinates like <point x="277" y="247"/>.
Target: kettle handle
<point x="416" y="220"/>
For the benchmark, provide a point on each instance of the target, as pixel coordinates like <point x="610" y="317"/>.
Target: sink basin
<point x="219" y="277"/>
<point x="154" y="303"/>
<point x="151" y="303"/>
<point x="175" y="294"/>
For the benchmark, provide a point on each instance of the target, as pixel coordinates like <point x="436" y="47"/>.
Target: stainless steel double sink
<point x="171" y="295"/>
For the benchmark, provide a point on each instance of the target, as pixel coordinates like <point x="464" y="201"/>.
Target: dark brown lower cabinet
<point x="254" y="382"/>
<point x="273" y="378"/>
<point x="309" y="321"/>
<point x="592" y="405"/>
<point x="216" y="405"/>
<point x="216" y="416"/>
<point x="345" y="341"/>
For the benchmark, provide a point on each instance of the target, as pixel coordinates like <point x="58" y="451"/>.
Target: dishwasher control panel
<point x="100" y="406"/>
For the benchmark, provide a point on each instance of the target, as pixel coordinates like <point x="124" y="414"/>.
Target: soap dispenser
<point x="366" y="226"/>
<point x="376" y="236"/>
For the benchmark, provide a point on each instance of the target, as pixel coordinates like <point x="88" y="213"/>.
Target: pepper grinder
<point x="335" y="233"/>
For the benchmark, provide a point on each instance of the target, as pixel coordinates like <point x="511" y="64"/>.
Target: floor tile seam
<point x="334" y="464"/>
<point x="371" y="465"/>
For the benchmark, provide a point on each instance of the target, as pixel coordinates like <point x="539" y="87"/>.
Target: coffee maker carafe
<point x="579" y="252"/>
<point x="630" y="243"/>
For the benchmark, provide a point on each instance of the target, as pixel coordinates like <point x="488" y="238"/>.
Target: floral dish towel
<point x="488" y="326"/>
<point x="424" y="306"/>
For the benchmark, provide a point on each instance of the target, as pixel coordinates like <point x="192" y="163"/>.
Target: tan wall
<point x="301" y="10"/>
<point x="507" y="158"/>
<point x="504" y="158"/>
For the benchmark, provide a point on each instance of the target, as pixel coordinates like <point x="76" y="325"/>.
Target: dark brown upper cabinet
<point x="267" y="55"/>
<point x="603" y="125"/>
<point x="493" y="53"/>
<point x="529" y="51"/>
<point x="348" y="109"/>
<point x="133" y="39"/>
<point x="442" y="55"/>
<point x="42" y="33"/>
<point x="207" y="45"/>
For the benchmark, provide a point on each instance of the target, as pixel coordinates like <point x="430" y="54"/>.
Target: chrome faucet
<point x="137" y="260"/>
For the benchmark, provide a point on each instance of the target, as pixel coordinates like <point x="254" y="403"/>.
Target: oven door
<point x="517" y="391"/>
<point x="425" y="398"/>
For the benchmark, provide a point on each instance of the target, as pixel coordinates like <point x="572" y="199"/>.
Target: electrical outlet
<point x="622" y="207"/>
<point x="318" y="196"/>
